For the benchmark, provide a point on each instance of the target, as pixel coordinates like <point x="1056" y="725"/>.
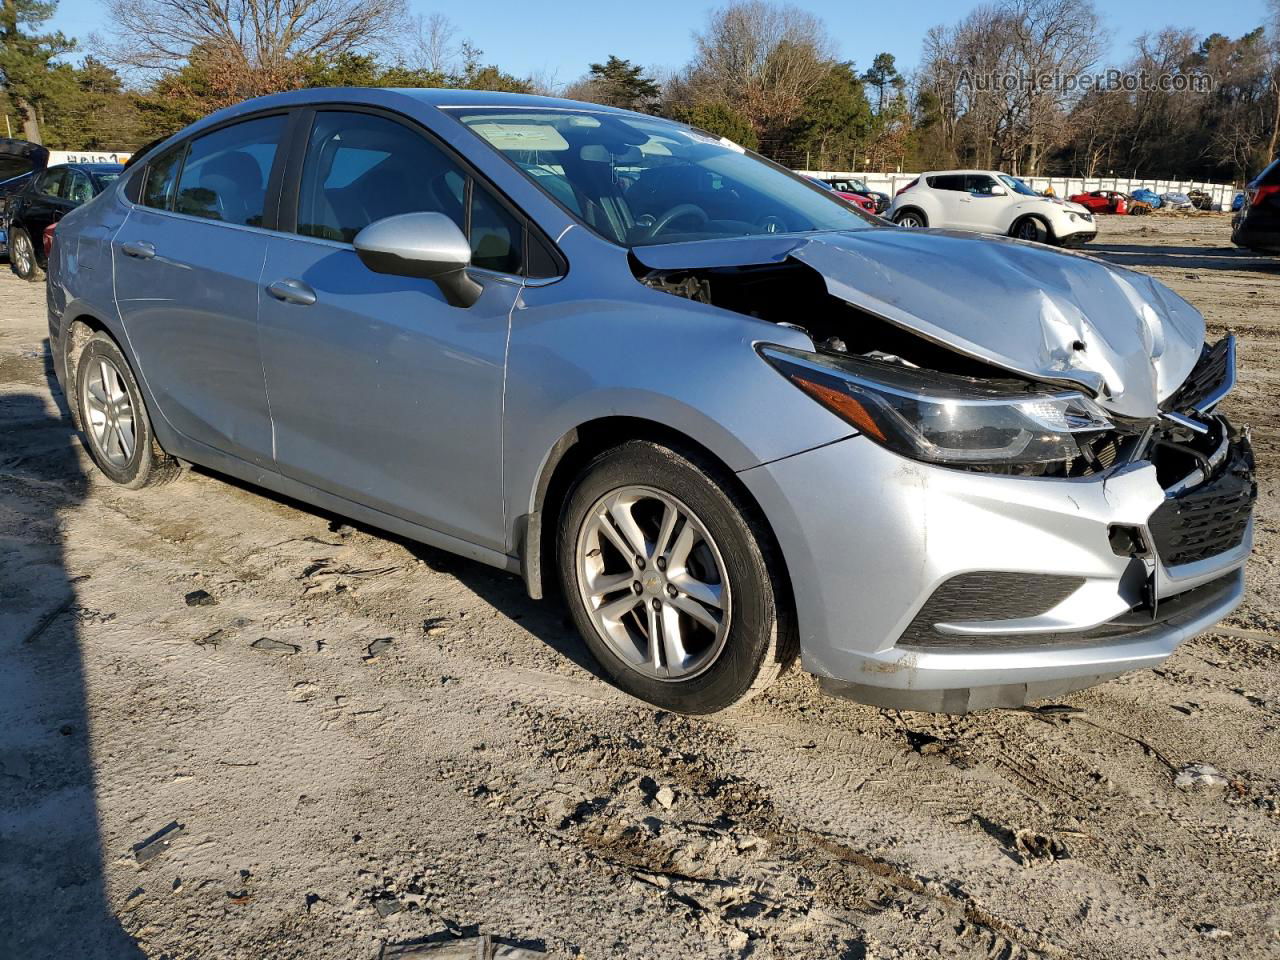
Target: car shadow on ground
<point x="53" y="892"/>
<point x="546" y="619"/>
<point x="1185" y="257"/>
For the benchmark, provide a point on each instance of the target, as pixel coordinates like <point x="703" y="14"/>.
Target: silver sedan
<point x="727" y="418"/>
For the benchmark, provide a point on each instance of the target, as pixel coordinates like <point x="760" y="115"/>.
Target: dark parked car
<point x="1256" y="225"/>
<point x="43" y="201"/>
<point x="19" y="160"/>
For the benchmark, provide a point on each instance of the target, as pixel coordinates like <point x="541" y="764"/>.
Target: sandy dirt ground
<point x="418" y="751"/>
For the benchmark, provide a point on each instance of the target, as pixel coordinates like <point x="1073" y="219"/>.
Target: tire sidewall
<point x="133" y="474"/>
<point x="753" y="625"/>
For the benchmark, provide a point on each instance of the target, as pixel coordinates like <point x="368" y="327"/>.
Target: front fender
<point x="586" y="348"/>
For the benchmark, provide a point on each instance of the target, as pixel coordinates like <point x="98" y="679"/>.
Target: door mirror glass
<point x="425" y="245"/>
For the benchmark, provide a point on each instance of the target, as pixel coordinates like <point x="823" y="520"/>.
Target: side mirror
<point x="999" y="191"/>
<point x="425" y="245"/>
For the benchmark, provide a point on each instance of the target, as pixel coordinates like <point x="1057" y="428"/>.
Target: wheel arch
<point x="911" y="208"/>
<point x="571" y="452"/>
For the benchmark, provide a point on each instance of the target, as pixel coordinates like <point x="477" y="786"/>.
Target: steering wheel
<point x="675" y="213"/>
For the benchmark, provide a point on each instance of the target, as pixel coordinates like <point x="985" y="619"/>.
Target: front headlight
<point x="941" y="417"/>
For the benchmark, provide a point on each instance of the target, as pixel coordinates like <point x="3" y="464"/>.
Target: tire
<point x="754" y="641"/>
<point x="22" y="257"/>
<point x="114" y="423"/>
<point x="1030" y="228"/>
<point x="910" y="218"/>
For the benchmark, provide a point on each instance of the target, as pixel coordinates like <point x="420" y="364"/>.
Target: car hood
<point x="1051" y="316"/>
<point x="18" y="157"/>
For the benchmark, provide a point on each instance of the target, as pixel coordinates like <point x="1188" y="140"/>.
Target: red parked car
<point x="1103" y="201"/>
<point x="859" y="201"/>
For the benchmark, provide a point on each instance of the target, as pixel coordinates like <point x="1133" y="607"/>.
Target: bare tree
<point x="1273" y="83"/>
<point x="433" y="44"/>
<point x="763" y="58"/>
<point x="246" y="47"/>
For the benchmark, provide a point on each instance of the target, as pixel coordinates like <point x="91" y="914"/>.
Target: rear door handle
<point x="140" y="249"/>
<point x="292" y="291"/>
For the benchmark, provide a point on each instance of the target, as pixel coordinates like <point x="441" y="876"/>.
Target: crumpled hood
<point x="1029" y="309"/>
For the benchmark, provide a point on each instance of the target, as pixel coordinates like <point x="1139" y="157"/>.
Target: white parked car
<point x="988" y="201"/>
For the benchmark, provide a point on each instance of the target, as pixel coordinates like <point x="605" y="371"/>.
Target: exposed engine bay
<point x="1185" y="442"/>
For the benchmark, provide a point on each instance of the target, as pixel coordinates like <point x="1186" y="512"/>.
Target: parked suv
<point x="725" y="414"/>
<point x="42" y="202"/>
<point x="988" y="201"/>
<point x="1257" y="223"/>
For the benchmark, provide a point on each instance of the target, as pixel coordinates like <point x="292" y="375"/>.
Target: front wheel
<point x="1029" y="228"/>
<point x="22" y="256"/>
<point x="672" y="579"/>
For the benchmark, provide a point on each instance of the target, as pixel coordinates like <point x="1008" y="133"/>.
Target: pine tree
<point x="620" y="83"/>
<point x="26" y="57"/>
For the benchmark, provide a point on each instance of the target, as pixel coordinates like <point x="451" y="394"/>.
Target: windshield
<point x="641" y="180"/>
<point x="1017" y="186"/>
<point x="101" y="180"/>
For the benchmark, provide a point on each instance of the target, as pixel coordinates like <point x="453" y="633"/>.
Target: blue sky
<point x="558" y="39"/>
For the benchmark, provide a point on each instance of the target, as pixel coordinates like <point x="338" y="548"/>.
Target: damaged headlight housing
<point x="943" y="418"/>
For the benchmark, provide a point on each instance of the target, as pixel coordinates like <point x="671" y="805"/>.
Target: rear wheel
<point x="115" y="424"/>
<point x="912" y="219"/>
<point x="22" y="256"/>
<point x="670" y="578"/>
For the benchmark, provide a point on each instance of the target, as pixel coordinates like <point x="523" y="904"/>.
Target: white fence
<point x="891" y="183"/>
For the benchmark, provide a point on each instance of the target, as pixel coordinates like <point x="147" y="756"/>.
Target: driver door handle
<point x="138" y="248"/>
<point x="292" y="291"/>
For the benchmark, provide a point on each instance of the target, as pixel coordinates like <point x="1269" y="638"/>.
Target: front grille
<point x="1213" y="375"/>
<point x="1209" y="519"/>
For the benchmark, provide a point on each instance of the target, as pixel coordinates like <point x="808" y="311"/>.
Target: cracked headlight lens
<point x="944" y="418"/>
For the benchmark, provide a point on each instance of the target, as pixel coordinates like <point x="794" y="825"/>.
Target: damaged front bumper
<point x="929" y="588"/>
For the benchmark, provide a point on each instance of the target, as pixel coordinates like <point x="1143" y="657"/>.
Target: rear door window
<point x="52" y="183"/>
<point x="360" y="168"/>
<point x="948" y="181"/>
<point x="226" y="172"/>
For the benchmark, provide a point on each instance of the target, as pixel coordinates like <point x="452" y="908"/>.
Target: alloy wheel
<point x="653" y="583"/>
<point x="23" y="255"/>
<point x="109" y="412"/>
<point x="910" y="221"/>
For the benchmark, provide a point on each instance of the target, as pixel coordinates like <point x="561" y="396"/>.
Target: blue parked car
<point x="1148" y="196"/>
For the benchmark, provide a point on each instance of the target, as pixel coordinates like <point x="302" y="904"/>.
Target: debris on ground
<point x="200" y="598"/>
<point x="158" y="842"/>
<point x="1194" y="775"/>
<point x="279" y="647"/>
<point x="1210" y="932"/>
<point x="378" y="648"/>
<point x="467" y="948"/>
<point x="1039" y="848"/>
<point x="666" y="798"/>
